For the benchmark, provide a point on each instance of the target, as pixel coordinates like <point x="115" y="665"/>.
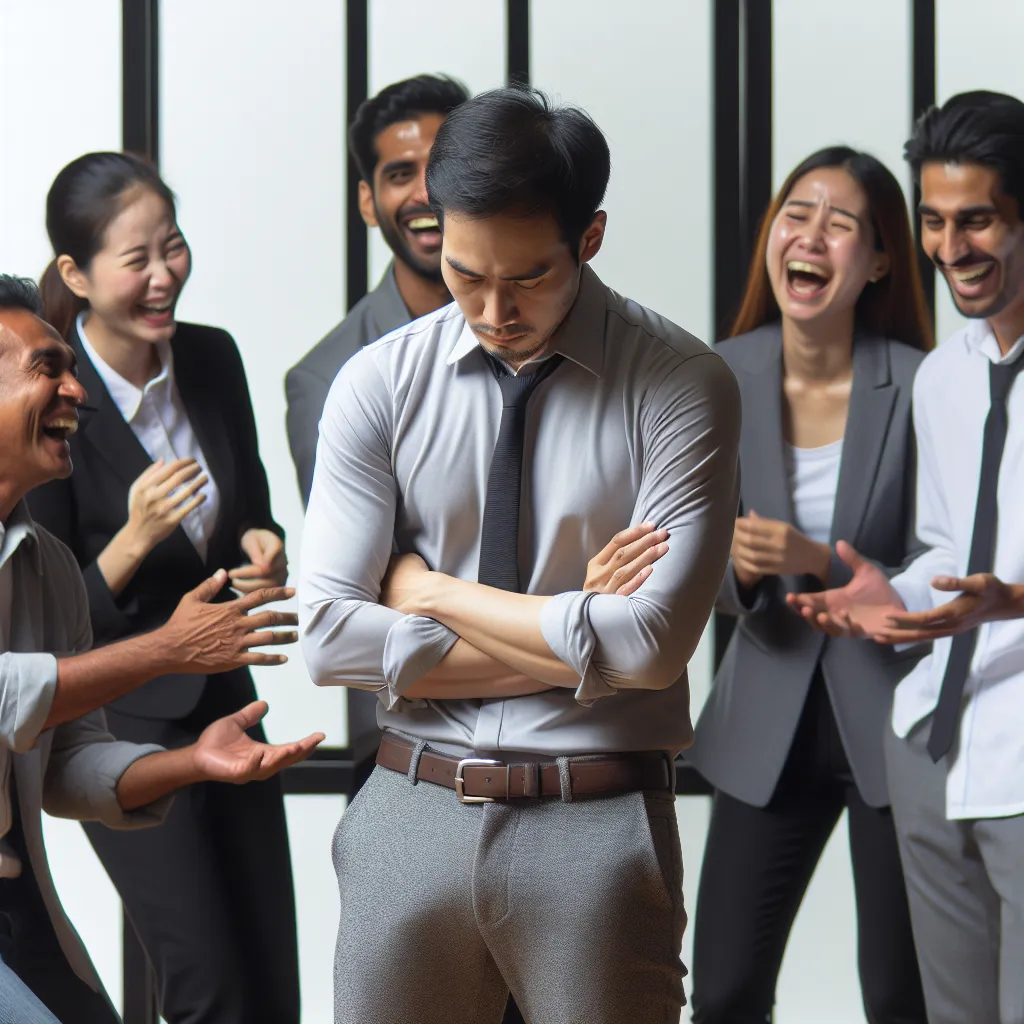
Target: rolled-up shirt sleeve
<point x="690" y="427"/>
<point x="347" y="638"/>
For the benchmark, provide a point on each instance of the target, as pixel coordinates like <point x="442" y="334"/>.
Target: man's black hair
<point x="20" y="293"/>
<point x="984" y="128"/>
<point x="402" y="101"/>
<point x="511" y="150"/>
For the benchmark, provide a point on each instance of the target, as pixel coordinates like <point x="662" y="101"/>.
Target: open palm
<point x="861" y="608"/>
<point x="225" y="753"/>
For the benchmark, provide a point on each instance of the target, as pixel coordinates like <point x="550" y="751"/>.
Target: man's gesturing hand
<point x="201" y="637"/>
<point x="224" y="751"/>
<point x="983" y="598"/>
<point x="862" y="608"/>
<point x="623" y="564"/>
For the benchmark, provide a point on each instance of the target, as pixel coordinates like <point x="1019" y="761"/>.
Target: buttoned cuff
<point x="915" y="595"/>
<point x="565" y="623"/>
<point x="414" y="646"/>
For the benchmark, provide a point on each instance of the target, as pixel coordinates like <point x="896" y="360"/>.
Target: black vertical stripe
<point x="517" y="40"/>
<point x="356" y="89"/>
<point x="140" y="101"/>
<point x="742" y="179"/>
<point x="923" y="97"/>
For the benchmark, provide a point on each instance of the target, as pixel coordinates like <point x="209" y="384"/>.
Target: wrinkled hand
<point x="623" y="564"/>
<point x="268" y="564"/>
<point x="401" y="585"/>
<point x="769" y="547"/>
<point x="983" y="598"/>
<point x="201" y="637"/>
<point x="225" y="753"/>
<point x="161" y="497"/>
<point x="860" y="609"/>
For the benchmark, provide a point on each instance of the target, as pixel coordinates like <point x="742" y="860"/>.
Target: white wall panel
<point x="960" y="66"/>
<point x="464" y="40"/>
<point x="841" y="74"/>
<point x="252" y="140"/>
<point x="252" y="125"/>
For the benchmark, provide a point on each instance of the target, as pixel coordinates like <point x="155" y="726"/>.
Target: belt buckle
<point x="482" y="762"/>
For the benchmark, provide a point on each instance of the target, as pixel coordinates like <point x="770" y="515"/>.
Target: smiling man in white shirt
<point x="955" y="756"/>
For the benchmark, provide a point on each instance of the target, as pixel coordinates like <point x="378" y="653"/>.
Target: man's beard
<point x="403" y="251"/>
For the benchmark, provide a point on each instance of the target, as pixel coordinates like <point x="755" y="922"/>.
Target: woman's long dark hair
<point x="894" y="306"/>
<point x="83" y="199"/>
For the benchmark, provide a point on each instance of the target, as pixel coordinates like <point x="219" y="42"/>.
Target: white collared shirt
<point x="951" y="403"/>
<point x="157" y="417"/>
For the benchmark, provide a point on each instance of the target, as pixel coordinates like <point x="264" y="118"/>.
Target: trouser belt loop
<point x="414" y="760"/>
<point x="565" y="778"/>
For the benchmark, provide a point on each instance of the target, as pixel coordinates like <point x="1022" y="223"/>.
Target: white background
<point x="253" y="141"/>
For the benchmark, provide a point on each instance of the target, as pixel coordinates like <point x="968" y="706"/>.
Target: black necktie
<point x="499" y="539"/>
<point x="983" y="542"/>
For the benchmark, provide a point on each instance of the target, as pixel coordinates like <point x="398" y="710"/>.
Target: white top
<point x="813" y="475"/>
<point x="158" y="419"/>
<point x="951" y="402"/>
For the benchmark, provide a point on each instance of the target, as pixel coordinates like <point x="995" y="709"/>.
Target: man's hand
<point x="201" y="637"/>
<point x="403" y="583"/>
<point x="769" y="547"/>
<point x="983" y="598"/>
<point x="860" y="609"/>
<point x="623" y="564"/>
<point x="225" y="753"/>
<point x="268" y="564"/>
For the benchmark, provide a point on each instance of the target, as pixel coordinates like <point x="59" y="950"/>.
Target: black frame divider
<point x="357" y="86"/>
<point x="922" y="97"/>
<point x="140" y="79"/>
<point x="517" y="42"/>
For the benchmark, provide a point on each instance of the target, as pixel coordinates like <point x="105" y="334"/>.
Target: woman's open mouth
<point x="806" y="280"/>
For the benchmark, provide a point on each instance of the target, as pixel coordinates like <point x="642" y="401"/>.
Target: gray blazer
<point x="70" y="771"/>
<point x="746" y="729"/>
<point x="307" y="383"/>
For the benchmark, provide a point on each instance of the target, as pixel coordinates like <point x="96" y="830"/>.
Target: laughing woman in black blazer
<point x="168" y="485"/>
<point x="832" y="329"/>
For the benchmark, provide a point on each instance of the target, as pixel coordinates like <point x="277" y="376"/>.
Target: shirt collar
<point x="126" y="396"/>
<point x="980" y="337"/>
<point x="581" y="337"/>
<point x="20" y="527"/>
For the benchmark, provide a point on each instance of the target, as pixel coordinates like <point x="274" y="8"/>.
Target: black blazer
<point x="746" y="728"/>
<point x="88" y="508"/>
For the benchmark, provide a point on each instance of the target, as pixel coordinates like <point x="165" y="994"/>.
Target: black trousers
<point x="757" y="865"/>
<point x="209" y="892"/>
<point x="29" y="946"/>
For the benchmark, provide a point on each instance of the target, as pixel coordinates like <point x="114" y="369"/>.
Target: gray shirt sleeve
<point x="348" y="638"/>
<point x="27" y="685"/>
<point x="690" y="428"/>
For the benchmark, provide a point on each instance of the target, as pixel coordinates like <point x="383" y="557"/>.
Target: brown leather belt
<point x="477" y="781"/>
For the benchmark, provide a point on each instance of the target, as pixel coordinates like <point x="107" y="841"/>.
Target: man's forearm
<point x="156" y="775"/>
<point x="88" y="681"/>
<point x="465" y="672"/>
<point x="503" y="625"/>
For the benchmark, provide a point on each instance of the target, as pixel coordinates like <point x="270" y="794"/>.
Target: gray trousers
<point x="965" y="882"/>
<point x="577" y="907"/>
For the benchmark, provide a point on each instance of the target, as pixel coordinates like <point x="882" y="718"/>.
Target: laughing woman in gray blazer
<point x="831" y="331"/>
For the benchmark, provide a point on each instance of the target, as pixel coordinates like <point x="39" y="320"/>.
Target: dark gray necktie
<point x="499" y="538"/>
<point x="983" y="542"/>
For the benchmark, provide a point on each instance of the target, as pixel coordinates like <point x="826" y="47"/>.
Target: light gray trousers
<point x="576" y="906"/>
<point x="965" y="882"/>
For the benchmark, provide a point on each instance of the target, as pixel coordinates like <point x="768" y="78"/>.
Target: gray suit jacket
<point x="746" y="729"/>
<point x="307" y="383"/>
<point x="70" y="771"/>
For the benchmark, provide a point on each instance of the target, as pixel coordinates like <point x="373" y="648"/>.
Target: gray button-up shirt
<point x="639" y="422"/>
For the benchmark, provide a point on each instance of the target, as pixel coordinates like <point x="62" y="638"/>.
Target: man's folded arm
<point x="347" y="637"/>
<point x="602" y="643"/>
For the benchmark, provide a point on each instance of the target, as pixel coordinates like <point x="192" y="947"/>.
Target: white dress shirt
<point x="157" y="417"/>
<point x="813" y="481"/>
<point x="639" y="422"/>
<point x="951" y="403"/>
